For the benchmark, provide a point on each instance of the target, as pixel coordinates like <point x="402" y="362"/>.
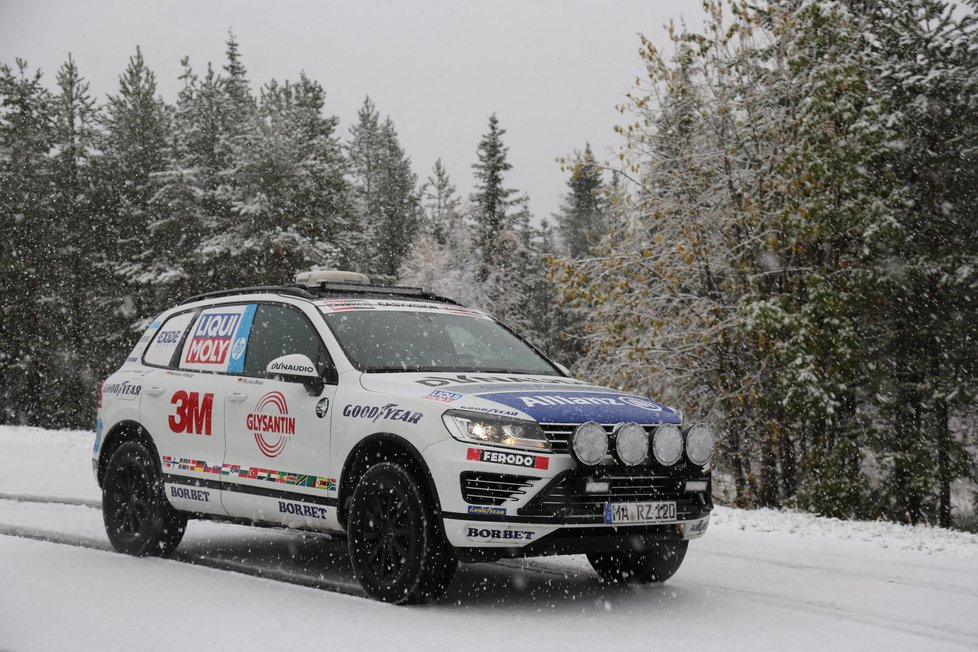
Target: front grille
<point x="566" y="496"/>
<point x="559" y="434"/>
<point x="493" y="488"/>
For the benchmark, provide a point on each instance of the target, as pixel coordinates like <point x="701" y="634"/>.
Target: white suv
<point x="429" y="433"/>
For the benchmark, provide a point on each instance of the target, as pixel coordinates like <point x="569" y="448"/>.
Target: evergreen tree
<point x="581" y="222"/>
<point x="440" y="204"/>
<point x="27" y="277"/>
<point x="491" y="200"/>
<point x="387" y="201"/>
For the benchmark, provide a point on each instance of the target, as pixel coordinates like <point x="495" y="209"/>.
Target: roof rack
<point x="309" y="292"/>
<point x="293" y="290"/>
<point x="394" y="290"/>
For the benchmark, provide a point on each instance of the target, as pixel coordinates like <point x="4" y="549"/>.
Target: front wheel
<point x="137" y="516"/>
<point x="656" y="564"/>
<point x="397" y="547"/>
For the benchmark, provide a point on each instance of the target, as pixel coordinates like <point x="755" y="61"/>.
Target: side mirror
<point x="297" y="368"/>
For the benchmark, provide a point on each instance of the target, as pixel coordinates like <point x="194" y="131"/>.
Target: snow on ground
<point x="758" y="579"/>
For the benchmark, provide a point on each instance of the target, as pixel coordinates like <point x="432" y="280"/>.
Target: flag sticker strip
<point x="251" y="473"/>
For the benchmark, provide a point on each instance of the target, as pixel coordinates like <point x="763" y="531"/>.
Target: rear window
<point x="164" y="343"/>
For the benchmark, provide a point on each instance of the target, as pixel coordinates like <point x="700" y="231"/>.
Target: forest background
<point x="785" y="246"/>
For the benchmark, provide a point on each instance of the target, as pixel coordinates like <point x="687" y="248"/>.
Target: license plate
<point x="658" y="512"/>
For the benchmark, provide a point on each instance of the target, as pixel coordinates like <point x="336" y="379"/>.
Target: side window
<point x="164" y="343"/>
<point x="281" y="330"/>
<point x="218" y="339"/>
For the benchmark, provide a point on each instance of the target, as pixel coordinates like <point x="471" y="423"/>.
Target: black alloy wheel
<point x="656" y="564"/>
<point x="398" y="550"/>
<point x="138" y="519"/>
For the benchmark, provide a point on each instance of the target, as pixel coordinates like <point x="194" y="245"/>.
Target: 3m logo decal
<point x="271" y="424"/>
<point x="513" y="459"/>
<point x="212" y="338"/>
<point x="192" y="415"/>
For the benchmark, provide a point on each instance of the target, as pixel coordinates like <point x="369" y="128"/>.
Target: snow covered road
<point x="757" y="580"/>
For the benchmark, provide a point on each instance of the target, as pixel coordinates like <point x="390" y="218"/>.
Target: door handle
<point x="154" y="390"/>
<point x="237" y="397"/>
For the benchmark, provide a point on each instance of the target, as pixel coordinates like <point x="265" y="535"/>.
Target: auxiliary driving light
<point x="589" y="443"/>
<point x="667" y="445"/>
<point x="699" y="445"/>
<point x="631" y="444"/>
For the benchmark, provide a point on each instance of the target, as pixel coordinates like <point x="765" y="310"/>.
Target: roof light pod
<point x="667" y="445"/>
<point x="589" y="443"/>
<point x="699" y="445"/>
<point x="315" y="277"/>
<point x="631" y="444"/>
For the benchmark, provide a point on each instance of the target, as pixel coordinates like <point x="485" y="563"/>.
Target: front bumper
<point x="491" y="509"/>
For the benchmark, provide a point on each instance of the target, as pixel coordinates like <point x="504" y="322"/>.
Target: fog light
<point x="631" y="444"/>
<point x="667" y="445"/>
<point x="699" y="445"/>
<point x="589" y="443"/>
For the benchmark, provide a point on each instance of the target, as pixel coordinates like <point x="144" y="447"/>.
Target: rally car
<point x="426" y="432"/>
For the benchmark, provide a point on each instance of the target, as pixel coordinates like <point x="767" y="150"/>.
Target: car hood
<point x="547" y="399"/>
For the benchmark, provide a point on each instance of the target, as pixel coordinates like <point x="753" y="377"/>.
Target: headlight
<point x="589" y="443"/>
<point x="498" y="431"/>
<point x="699" y="445"/>
<point x="631" y="444"/>
<point x="667" y="445"/>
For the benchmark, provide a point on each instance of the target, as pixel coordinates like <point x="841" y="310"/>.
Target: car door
<point x="184" y="403"/>
<point x="278" y="439"/>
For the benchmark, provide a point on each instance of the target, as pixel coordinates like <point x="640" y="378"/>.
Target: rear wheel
<point x="397" y="546"/>
<point x="138" y="519"/>
<point x="656" y="564"/>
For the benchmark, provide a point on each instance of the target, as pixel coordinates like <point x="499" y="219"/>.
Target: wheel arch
<point x="126" y="430"/>
<point x="376" y="448"/>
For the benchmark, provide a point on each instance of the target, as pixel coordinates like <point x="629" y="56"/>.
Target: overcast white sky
<point x="552" y="70"/>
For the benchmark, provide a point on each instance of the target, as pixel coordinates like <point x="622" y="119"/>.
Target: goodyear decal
<point x="557" y="406"/>
<point x="250" y="473"/>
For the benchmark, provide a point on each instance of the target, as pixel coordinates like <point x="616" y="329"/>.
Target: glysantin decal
<point x="271" y="424"/>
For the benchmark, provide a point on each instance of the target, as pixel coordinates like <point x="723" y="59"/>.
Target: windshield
<point x="408" y="340"/>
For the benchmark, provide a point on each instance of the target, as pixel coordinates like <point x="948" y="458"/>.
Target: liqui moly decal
<point x="211" y="341"/>
<point x="271" y="424"/>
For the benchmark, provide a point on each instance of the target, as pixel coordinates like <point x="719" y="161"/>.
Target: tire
<point x="399" y="552"/>
<point x="137" y="516"/>
<point x="656" y="564"/>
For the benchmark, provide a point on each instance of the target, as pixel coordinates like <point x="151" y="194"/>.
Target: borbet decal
<point x="569" y="406"/>
<point x="513" y="459"/>
<point x="271" y="424"/>
<point x="192" y="413"/>
<point x="211" y="341"/>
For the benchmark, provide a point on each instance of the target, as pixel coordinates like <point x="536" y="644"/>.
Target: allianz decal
<point x="576" y="407"/>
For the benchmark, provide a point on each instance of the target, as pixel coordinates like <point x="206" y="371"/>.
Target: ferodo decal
<point x="575" y="407"/>
<point x="389" y="412"/>
<point x="271" y="424"/>
<point x="465" y="379"/>
<point x="250" y="473"/>
<point x="192" y="414"/>
<point x="513" y="459"/>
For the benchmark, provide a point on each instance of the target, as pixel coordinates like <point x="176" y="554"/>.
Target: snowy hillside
<point x="757" y="580"/>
